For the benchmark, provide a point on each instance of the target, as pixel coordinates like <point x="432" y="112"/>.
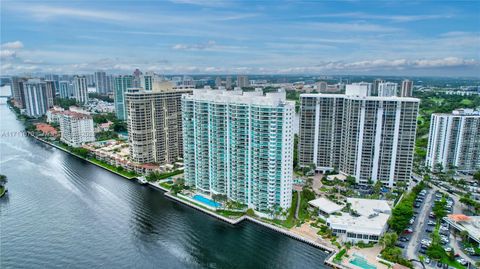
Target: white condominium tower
<point x="368" y="137"/>
<point x="80" y="89"/>
<point x="154" y="120"/>
<point x="454" y="140"/>
<point x="101" y="82"/>
<point x="387" y="89"/>
<point x="76" y="128"/>
<point x="240" y="144"/>
<point x="407" y="88"/>
<point x="35" y="97"/>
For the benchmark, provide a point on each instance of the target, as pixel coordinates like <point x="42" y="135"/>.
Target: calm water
<point x="66" y="213"/>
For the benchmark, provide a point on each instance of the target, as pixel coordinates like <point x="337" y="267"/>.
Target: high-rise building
<point x="359" y="89"/>
<point x="242" y="81"/>
<point x="454" y="141"/>
<point x="90" y="79"/>
<point x="368" y="137"/>
<point x="55" y="79"/>
<point x="101" y="83"/>
<point x="147" y="80"/>
<point x="17" y="91"/>
<point x="35" y="97"/>
<point x="376" y="83"/>
<point x="51" y="92"/>
<point x="136" y="83"/>
<point x="122" y="83"/>
<point x="76" y="128"/>
<point x="218" y="82"/>
<point x="407" y="88"/>
<point x="386" y="89"/>
<point x="228" y="82"/>
<point x="80" y="89"/>
<point x="154" y="122"/>
<point x="66" y="89"/>
<point x="110" y="84"/>
<point x="239" y="145"/>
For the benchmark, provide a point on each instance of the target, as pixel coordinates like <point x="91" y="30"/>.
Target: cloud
<point x="393" y="18"/>
<point x="351" y="27"/>
<point x="12" y="45"/>
<point x="44" y="12"/>
<point x="5" y="54"/>
<point x="191" y="47"/>
<point x="206" y="3"/>
<point x="9" y="50"/>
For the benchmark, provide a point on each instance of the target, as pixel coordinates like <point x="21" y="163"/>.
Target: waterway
<point x="62" y="212"/>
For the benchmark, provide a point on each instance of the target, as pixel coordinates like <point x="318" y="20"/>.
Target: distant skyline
<point x="408" y="38"/>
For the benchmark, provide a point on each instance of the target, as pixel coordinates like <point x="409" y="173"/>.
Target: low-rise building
<point x="325" y="206"/>
<point x="54" y="114"/>
<point x="367" y="221"/>
<point x="76" y="128"/>
<point x="470" y="224"/>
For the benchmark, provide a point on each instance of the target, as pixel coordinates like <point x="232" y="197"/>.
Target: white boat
<point x="142" y="180"/>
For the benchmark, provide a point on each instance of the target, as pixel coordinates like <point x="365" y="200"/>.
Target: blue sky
<point x="253" y="37"/>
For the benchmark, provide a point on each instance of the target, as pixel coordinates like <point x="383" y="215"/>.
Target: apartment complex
<point x="101" y="82"/>
<point x="242" y="81"/>
<point x="387" y="89"/>
<point x="454" y="140"/>
<point x="239" y="144"/>
<point x="35" y="97"/>
<point x="17" y="91"/>
<point x="122" y="83"/>
<point x="407" y="88"/>
<point x="80" y="89"/>
<point x="154" y="122"/>
<point x="66" y="89"/>
<point x="76" y="128"/>
<point x="368" y="137"/>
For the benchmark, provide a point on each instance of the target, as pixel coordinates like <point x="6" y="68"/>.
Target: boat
<point x="142" y="180"/>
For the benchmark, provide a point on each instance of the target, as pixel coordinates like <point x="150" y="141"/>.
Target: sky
<point x="416" y="38"/>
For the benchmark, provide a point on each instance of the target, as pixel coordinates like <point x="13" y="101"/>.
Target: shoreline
<point x="331" y="252"/>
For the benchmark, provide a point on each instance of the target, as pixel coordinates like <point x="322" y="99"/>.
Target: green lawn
<point x="166" y="185"/>
<point x="289" y="222"/>
<point x="124" y="173"/>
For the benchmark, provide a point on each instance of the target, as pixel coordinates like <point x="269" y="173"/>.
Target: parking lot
<point x="417" y="238"/>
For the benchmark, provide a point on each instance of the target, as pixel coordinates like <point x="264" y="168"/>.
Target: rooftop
<point x="469" y="223"/>
<point x="240" y="97"/>
<point x="373" y="217"/>
<point x="358" y="97"/>
<point x="325" y="205"/>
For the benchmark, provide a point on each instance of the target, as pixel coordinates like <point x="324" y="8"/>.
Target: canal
<point x="64" y="212"/>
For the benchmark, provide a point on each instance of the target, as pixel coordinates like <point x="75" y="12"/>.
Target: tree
<point x="464" y="235"/>
<point x="3" y="180"/>
<point x="388" y="240"/>
<point x="476" y="176"/>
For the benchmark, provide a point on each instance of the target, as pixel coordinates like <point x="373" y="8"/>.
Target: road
<point x="418" y="227"/>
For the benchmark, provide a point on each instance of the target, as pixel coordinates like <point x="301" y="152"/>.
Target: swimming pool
<point x="361" y="262"/>
<point x="206" y="201"/>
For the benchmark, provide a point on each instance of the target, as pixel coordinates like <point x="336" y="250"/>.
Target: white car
<point x="447" y="249"/>
<point x="462" y="261"/>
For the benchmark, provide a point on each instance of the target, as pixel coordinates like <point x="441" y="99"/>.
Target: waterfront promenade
<point x="232" y="221"/>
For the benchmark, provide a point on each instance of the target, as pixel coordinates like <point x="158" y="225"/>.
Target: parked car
<point x="431" y="223"/>
<point x="403" y="239"/>
<point x="427" y="260"/>
<point x="429" y="230"/>
<point x="423" y="251"/>
<point x="400" y="245"/>
<point x="408" y="230"/>
<point x="462" y="261"/>
<point x="417" y="205"/>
